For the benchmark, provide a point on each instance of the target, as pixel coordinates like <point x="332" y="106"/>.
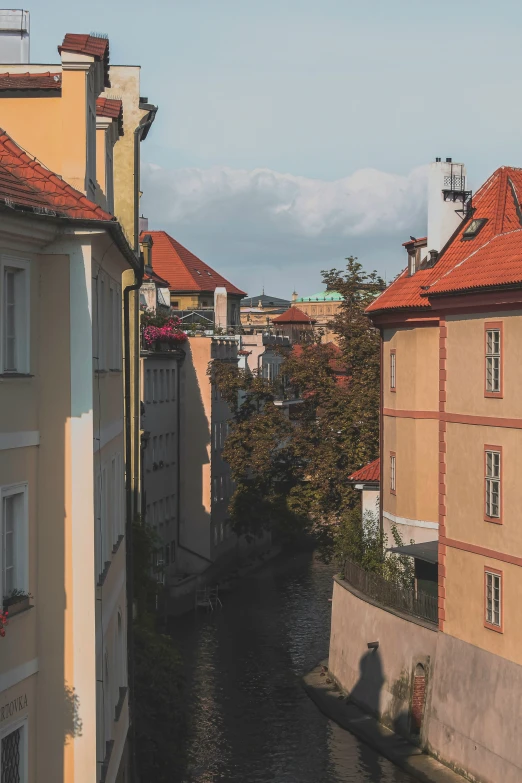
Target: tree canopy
<point x="291" y="474"/>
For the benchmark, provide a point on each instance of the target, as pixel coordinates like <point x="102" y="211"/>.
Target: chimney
<point x="14" y="36"/>
<point x="447" y="198"/>
<point x="294" y="297"/>
<point x="143" y="224"/>
<point x="146" y="247"/>
<point x="220" y="307"/>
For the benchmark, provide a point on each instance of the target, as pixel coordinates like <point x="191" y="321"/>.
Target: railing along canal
<point x="412" y="602"/>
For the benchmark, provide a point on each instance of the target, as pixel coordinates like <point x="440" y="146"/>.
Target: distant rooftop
<point x="266" y="301"/>
<point x="322" y="296"/>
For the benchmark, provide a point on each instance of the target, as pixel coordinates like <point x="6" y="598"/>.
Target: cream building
<point x="66" y="265"/>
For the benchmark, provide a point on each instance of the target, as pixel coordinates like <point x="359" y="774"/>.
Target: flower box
<point x="16" y="605"/>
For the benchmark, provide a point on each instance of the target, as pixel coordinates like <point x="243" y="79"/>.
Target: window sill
<point x="16" y="375"/>
<point x="10" y="617"/>
<point x="491" y="627"/>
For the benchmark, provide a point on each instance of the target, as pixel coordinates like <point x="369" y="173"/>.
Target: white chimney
<point x="14" y="36"/>
<point x="220" y="307"/>
<point x="447" y="198"/>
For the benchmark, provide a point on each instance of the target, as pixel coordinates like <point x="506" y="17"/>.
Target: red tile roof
<point x="183" y="270"/>
<point x="31" y="81"/>
<point x="111" y="108"/>
<point x="91" y="45"/>
<point x="25" y="183"/>
<point x="293" y="316"/>
<point x="493" y="257"/>
<point x="157" y="279"/>
<point x="370" y="473"/>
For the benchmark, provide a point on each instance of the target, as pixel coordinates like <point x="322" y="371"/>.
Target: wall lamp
<point x="373" y="645"/>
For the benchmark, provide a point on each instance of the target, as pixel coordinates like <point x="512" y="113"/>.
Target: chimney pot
<point x="437" y="160"/>
<point x="448" y="160"/>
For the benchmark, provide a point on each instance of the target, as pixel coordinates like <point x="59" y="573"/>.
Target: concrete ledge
<point x="334" y="704"/>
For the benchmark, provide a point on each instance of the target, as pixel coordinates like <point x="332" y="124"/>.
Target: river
<point x="249" y="719"/>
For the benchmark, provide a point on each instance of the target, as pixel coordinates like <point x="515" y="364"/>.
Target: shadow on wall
<point x="367" y="691"/>
<point x="73" y="724"/>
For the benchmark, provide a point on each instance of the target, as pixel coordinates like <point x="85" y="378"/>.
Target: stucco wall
<point x="379" y="680"/>
<point x="473" y="710"/>
<point x="476" y="712"/>
<point x="416" y="368"/>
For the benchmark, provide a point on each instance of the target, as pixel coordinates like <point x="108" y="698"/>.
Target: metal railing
<point x="412" y="602"/>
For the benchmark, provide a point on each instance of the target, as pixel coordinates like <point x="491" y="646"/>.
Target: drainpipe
<point x="381" y="432"/>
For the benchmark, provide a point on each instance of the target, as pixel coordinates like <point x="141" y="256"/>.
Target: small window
<point x="14" y="311"/>
<point x="493" y="367"/>
<point x="13" y="755"/>
<point x="493" y="599"/>
<point x="13" y="529"/>
<point x="493" y="485"/>
<point x="392" y="474"/>
<point x="474" y="227"/>
<point x="174" y="305"/>
<point x="392" y="369"/>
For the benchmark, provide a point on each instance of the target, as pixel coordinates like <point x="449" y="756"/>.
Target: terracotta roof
<point x="91" y="45"/>
<point x="370" y="473"/>
<point x="413" y="241"/>
<point x="156" y="279"/>
<point x="31" y="81"/>
<point x="493" y="257"/>
<point x="293" y="316"/>
<point x="25" y="183"/>
<point x="183" y="270"/>
<point x="111" y="108"/>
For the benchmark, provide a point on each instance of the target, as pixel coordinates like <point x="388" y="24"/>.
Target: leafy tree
<point x="292" y="475"/>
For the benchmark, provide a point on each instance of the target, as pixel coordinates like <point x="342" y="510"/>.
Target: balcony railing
<point x="387" y="593"/>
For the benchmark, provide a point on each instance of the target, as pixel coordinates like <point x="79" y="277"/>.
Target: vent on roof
<point x="209" y="274"/>
<point x="100" y="35"/>
<point x="198" y="272"/>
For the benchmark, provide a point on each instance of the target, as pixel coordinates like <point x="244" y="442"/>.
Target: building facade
<point x="322" y="308"/>
<point x="450" y="442"/>
<point x="66" y="262"/>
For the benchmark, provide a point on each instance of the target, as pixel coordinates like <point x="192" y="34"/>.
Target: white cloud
<point x="264" y="228"/>
<point x="364" y="203"/>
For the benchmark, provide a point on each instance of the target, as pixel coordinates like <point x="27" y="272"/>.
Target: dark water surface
<point x="250" y="720"/>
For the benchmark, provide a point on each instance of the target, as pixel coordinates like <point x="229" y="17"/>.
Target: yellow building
<point x="451" y="444"/>
<point x="322" y="308"/>
<point x="64" y="438"/>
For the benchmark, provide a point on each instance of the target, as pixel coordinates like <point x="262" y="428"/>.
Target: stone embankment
<point x="330" y="699"/>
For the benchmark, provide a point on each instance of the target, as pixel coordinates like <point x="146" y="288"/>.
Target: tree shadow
<point x="73" y="724"/>
<point x="366" y="692"/>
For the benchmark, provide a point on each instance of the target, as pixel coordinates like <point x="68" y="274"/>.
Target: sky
<point x="294" y="133"/>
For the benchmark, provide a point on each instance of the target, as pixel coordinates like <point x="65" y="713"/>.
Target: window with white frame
<point x="14" y="311"/>
<point x="13" y="754"/>
<point x="393" y="479"/>
<point x="493" y="607"/>
<point x="14" y="543"/>
<point x="493" y="484"/>
<point x="393" y="360"/>
<point x="493" y="361"/>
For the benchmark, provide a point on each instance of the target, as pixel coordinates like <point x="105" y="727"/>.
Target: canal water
<point x="249" y="719"/>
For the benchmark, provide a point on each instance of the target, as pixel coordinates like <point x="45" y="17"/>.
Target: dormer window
<point x="474" y="227"/>
<point x="413" y="260"/>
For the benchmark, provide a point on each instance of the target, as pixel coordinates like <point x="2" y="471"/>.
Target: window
<point x="148" y="384"/>
<point x="13" y="764"/>
<point x="155" y="390"/>
<point x="392" y="369"/>
<point x="392" y="474"/>
<point x="474" y="227"/>
<point x="493" y="599"/>
<point x="167" y="448"/>
<point x="173" y="384"/>
<point x="215" y="437"/>
<point x="493" y="479"/>
<point x="161" y="453"/>
<point x="100" y="325"/>
<point x="214" y="489"/>
<point x="174" y="305"/>
<point x="15" y="308"/>
<point x="13" y="528"/>
<point x="155" y="449"/>
<point x="109" y="178"/>
<point x="161" y="395"/>
<point x="167" y="386"/>
<point x="493" y="373"/>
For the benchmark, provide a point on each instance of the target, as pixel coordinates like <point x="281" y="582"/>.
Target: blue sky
<point x="292" y="133"/>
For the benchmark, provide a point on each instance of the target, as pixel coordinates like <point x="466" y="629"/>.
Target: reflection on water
<point x="250" y="720"/>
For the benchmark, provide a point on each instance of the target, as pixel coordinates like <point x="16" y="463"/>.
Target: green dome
<point x="322" y="296"/>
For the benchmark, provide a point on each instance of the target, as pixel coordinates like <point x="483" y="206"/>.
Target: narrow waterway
<point x="249" y="719"/>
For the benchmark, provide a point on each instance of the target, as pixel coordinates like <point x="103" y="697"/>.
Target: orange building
<point x="451" y="447"/>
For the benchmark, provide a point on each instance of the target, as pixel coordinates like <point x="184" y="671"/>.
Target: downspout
<point x="381" y="432"/>
<point x="129" y="558"/>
